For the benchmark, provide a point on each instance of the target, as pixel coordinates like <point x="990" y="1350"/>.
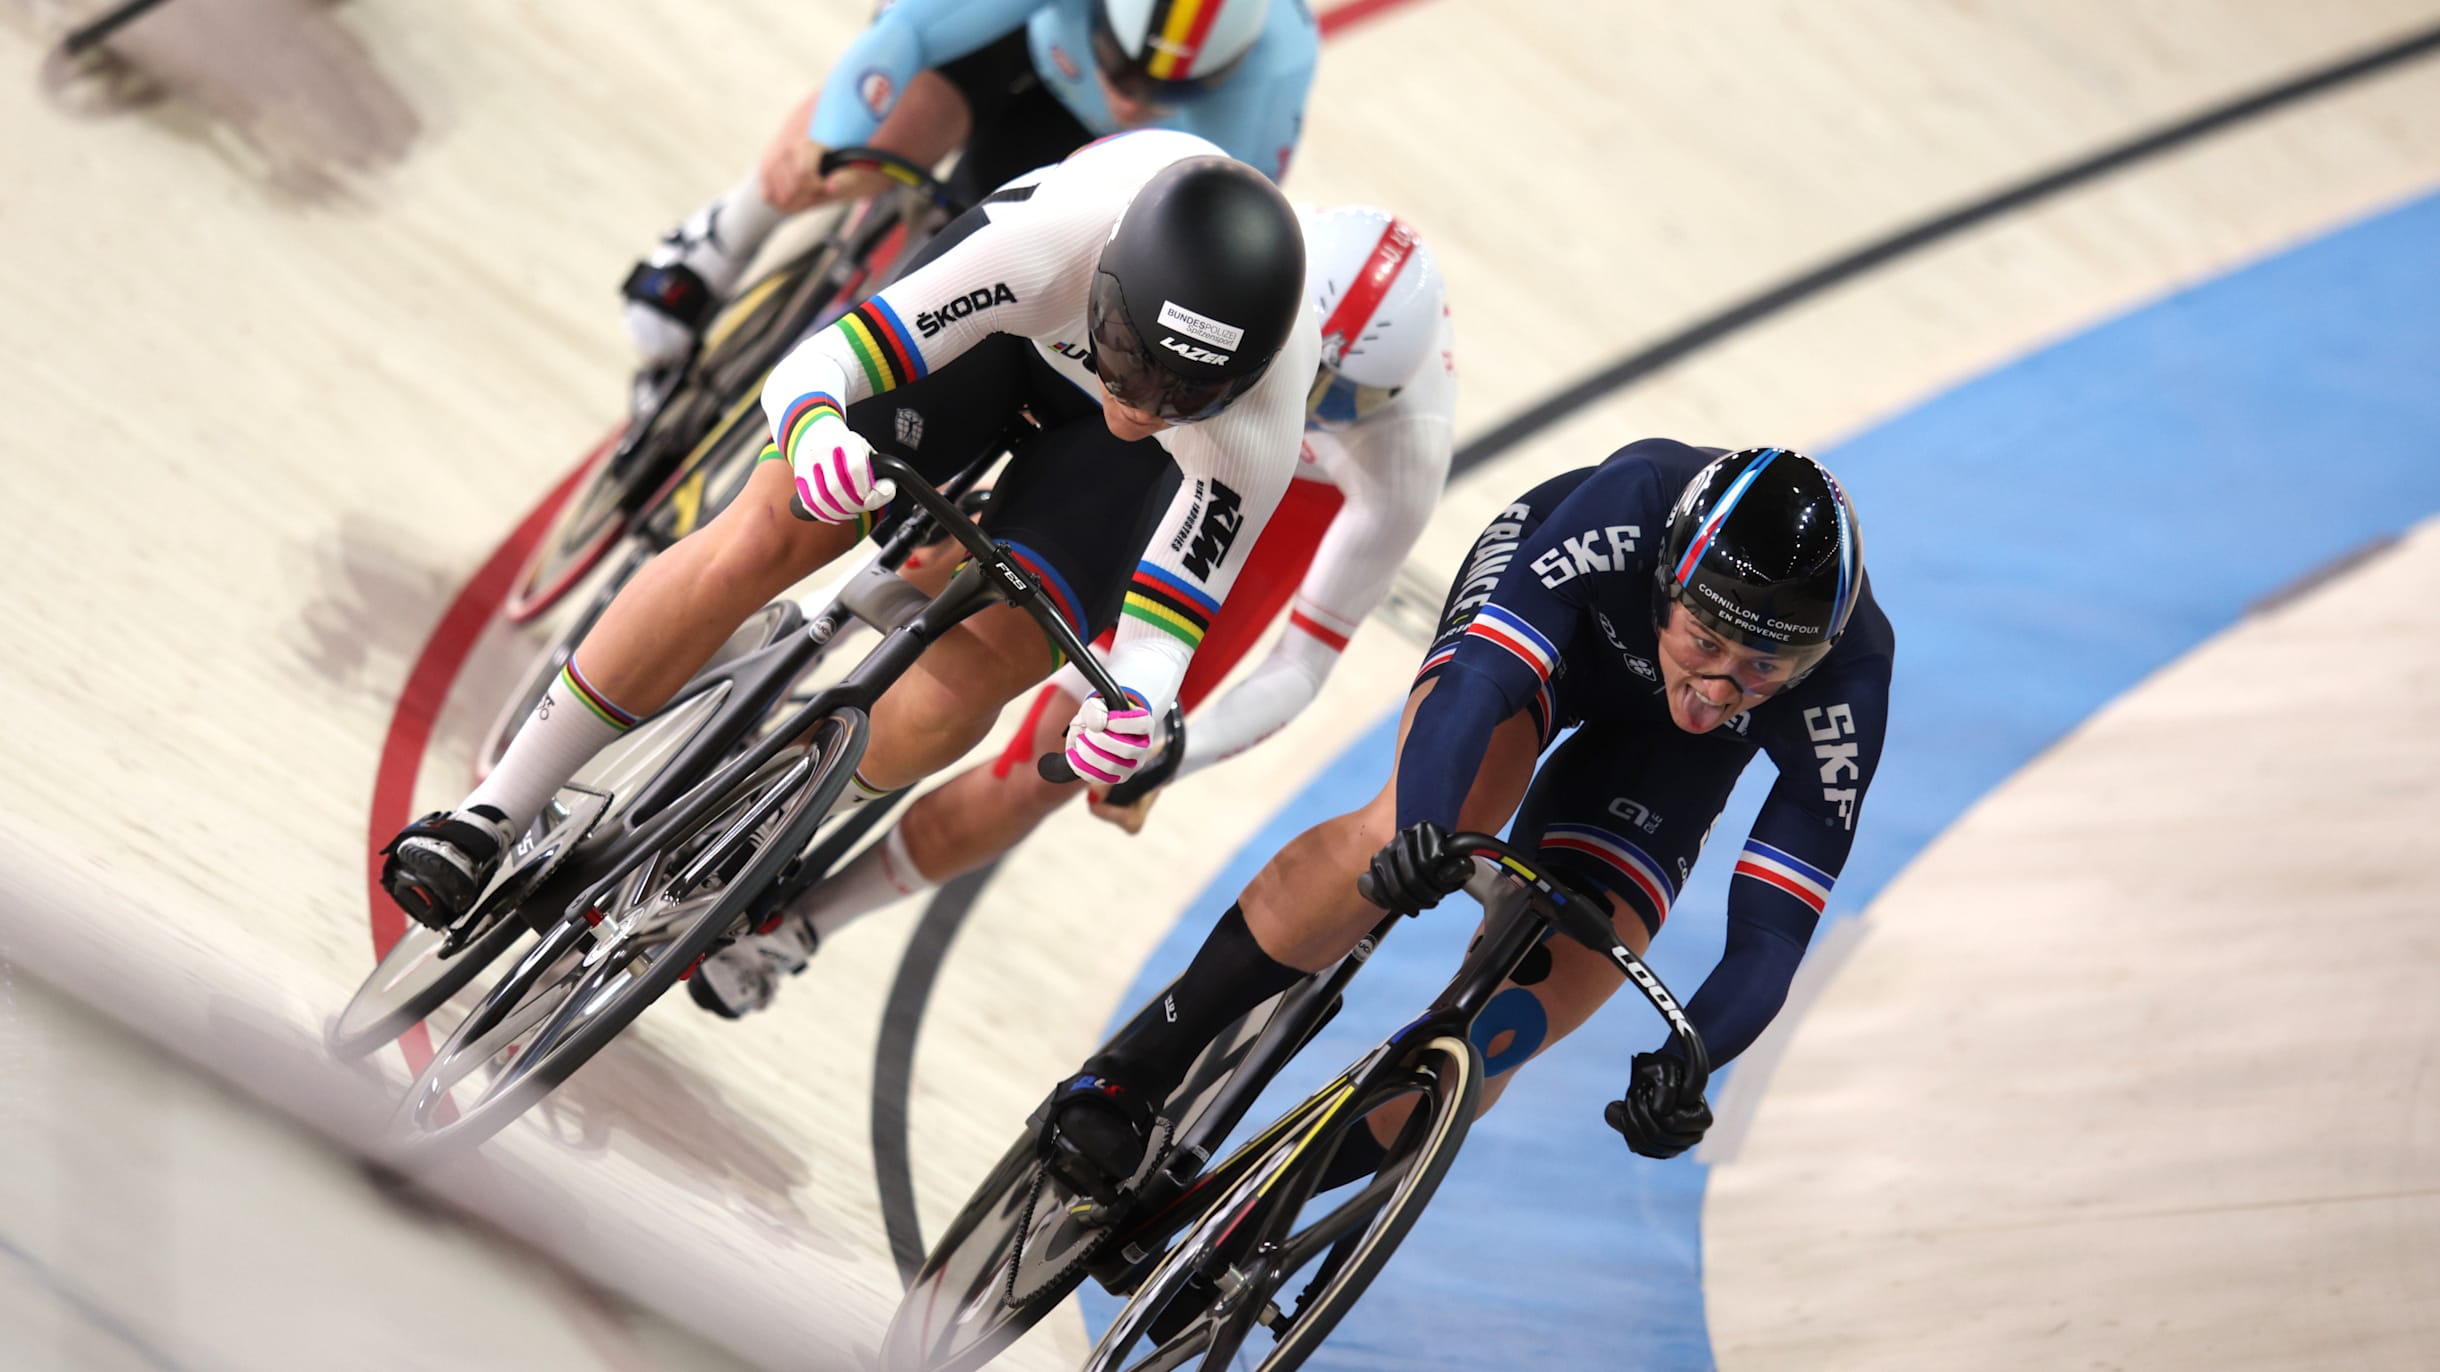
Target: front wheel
<point x="595" y="970"/>
<point x="1218" y="1284"/>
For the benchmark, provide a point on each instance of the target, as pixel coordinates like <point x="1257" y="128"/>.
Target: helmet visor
<point x="1133" y="373"/>
<point x="1769" y="668"/>
<point x="1336" y="402"/>
<point x="1128" y="77"/>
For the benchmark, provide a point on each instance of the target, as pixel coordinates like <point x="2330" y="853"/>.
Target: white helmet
<point x="1152" y="48"/>
<point x="1377" y="292"/>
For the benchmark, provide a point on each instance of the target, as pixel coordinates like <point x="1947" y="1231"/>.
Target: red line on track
<point x="1339" y="18"/>
<point x="419" y="706"/>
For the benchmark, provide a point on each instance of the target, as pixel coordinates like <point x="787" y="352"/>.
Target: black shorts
<point x="1076" y="505"/>
<point x="1621" y="808"/>
<point x="1018" y="124"/>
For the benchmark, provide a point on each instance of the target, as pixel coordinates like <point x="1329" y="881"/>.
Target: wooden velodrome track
<point x="292" y="352"/>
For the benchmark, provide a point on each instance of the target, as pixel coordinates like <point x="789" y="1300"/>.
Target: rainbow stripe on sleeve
<point x="1160" y="599"/>
<point x="802" y="411"/>
<point x="883" y="345"/>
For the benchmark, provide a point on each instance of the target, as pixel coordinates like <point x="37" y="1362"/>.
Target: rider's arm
<point x="1011" y="274"/>
<point x="1827" y="753"/>
<point x="1390" y="477"/>
<point x="1512" y="646"/>
<point x="908" y="37"/>
<point x="1236" y="467"/>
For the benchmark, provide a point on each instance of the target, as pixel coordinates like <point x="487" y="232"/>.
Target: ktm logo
<point x="1194" y="354"/>
<point x="1221" y="519"/>
<point x="933" y="321"/>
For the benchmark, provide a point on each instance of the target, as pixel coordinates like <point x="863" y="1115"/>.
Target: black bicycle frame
<point x="1520" y="906"/>
<point x="681" y="792"/>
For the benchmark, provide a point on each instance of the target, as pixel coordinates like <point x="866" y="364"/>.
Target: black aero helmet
<point x="1763" y="549"/>
<point x="1197" y="288"/>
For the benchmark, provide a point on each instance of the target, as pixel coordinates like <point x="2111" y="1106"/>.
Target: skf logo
<point x="932" y="321"/>
<point x="1594" y="550"/>
<point x="1192" y="353"/>
<point x="1826" y="726"/>
<point x="1222" y="517"/>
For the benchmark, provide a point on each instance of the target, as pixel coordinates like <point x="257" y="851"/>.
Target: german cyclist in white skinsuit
<point x="1144" y="301"/>
<point x="1016" y="84"/>
<point x="1378" y="436"/>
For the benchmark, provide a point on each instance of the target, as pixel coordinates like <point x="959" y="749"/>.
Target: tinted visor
<point x="1787" y="665"/>
<point x="1336" y="402"/>
<point x="1129" y="78"/>
<point x="1131" y="369"/>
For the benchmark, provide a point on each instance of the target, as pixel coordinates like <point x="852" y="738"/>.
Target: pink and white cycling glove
<point x="834" y="472"/>
<point x="1105" y="746"/>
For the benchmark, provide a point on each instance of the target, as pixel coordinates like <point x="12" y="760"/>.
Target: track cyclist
<point x="1682" y="608"/>
<point x="1017" y="84"/>
<point x="1379" y="429"/>
<point x="1144" y="302"/>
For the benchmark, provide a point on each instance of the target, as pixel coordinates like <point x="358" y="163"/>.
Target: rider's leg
<point x="659" y="631"/>
<point x="964" y="823"/>
<point x="701" y="260"/>
<point x="1300" y="914"/>
<point x="1617" y="813"/>
<point x="662" y="627"/>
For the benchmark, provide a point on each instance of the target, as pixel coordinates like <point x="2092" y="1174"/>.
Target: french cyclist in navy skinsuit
<point x="1680" y="609"/>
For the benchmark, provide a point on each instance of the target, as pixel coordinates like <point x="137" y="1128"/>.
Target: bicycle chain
<point x="1084" y="1256"/>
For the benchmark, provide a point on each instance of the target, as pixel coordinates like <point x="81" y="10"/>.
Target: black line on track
<point x="894" y="1061"/>
<point x="903" y="1018"/>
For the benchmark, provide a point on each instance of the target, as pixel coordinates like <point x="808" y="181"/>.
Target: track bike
<point x="1203" y="1254"/>
<point x="703" y="825"/>
<point x="677" y="457"/>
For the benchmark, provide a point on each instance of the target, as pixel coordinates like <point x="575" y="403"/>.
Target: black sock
<point x="1359" y="1156"/>
<point x="1229" y="977"/>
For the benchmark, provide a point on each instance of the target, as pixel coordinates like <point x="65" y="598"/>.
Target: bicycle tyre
<point x="424" y="1130"/>
<point x="1445" y="1072"/>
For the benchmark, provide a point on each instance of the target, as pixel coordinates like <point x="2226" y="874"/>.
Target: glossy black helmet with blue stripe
<point x="1764" y="550"/>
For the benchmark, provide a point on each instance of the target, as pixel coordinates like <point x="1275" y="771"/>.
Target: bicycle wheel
<point x="585" y="527"/>
<point x="966" y="1304"/>
<point x="1216" y="1285"/>
<point x="424" y="967"/>
<point x="593" y="972"/>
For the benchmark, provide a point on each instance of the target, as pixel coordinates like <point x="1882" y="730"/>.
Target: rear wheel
<point x="1218" y="1283"/>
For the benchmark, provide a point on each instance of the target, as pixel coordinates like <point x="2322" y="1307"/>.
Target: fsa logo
<point x="1826" y="727"/>
<point x="1594" y="550"/>
<point x="1193" y="353"/>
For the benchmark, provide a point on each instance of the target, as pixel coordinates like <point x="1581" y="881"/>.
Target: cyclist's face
<point x="1128" y="422"/>
<point x="1710" y="680"/>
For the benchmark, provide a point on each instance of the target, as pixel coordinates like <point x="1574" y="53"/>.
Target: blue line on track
<point x="2043" y="538"/>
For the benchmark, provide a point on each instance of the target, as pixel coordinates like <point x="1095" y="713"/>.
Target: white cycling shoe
<point x="673" y="291"/>
<point x="743" y="977"/>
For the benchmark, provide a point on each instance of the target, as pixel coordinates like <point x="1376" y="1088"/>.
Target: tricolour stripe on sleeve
<point x="1518" y="637"/>
<point x="1773" y="867"/>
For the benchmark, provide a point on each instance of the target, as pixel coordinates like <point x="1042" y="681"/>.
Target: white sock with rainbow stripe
<point x="569" y="725"/>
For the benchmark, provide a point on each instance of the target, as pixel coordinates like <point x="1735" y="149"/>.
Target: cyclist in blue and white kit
<point x="1017" y="84"/>
<point x="1679" y="608"/>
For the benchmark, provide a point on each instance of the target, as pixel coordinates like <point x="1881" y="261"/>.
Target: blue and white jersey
<point x="1254" y="114"/>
